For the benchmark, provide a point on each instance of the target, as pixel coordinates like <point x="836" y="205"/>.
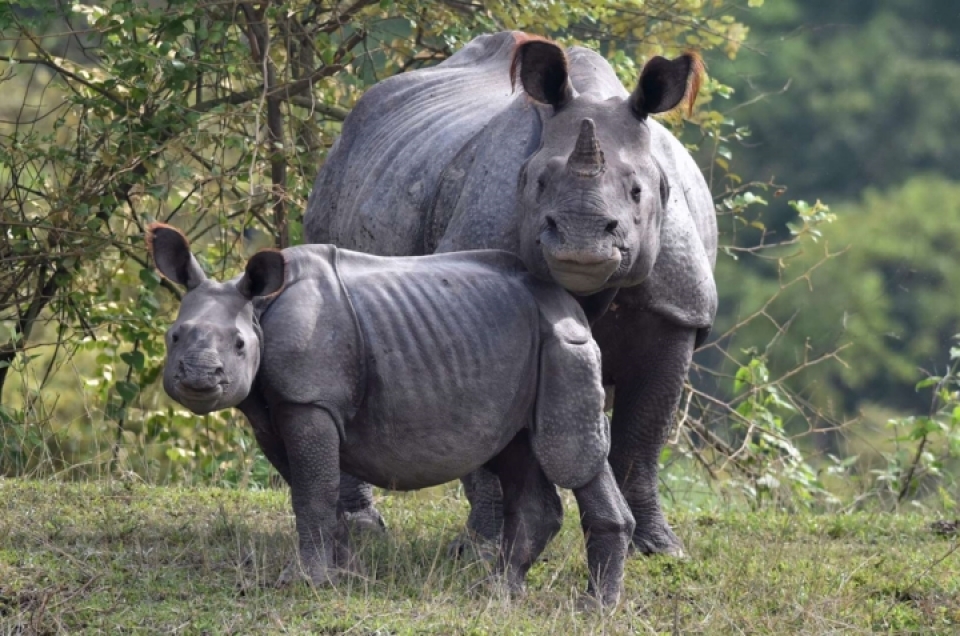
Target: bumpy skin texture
<point x="408" y="373"/>
<point x="455" y="157"/>
<point x="570" y="455"/>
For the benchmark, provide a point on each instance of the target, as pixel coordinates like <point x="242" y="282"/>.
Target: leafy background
<point x="827" y="132"/>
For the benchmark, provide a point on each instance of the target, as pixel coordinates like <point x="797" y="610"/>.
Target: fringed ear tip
<point x="698" y="69"/>
<point x="514" y="69"/>
<point x="150" y="234"/>
<point x="155" y="227"/>
<point x="694" y="55"/>
<point x="150" y="230"/>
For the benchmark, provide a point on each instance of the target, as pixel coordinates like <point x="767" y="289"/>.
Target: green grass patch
<point x="122" y="557"/>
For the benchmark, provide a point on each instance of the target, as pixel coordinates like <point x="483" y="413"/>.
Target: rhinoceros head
<point x="592" y="197"/>
<point x="213" y="348"/>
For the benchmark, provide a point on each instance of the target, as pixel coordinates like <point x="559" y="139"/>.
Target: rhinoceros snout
<point x="200" y="373"/>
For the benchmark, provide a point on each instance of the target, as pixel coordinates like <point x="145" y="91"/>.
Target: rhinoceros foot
<point x="312" y="571"/>
<point x="361" y="522"/>
<point x="469" y="546"/>
<point x="656" y="538"/>
<point x="315" y="569"/>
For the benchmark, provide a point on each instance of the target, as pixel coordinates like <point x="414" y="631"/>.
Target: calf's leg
<point x="532" y="512"/>
<point x="607" y="528"/>
<point x="313" y="449"/>
<point x="255" y="409"/>
<point x="485" y="523"/>
<point x="356" y="504"/>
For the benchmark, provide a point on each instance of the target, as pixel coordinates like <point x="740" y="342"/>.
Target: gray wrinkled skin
<point x="575" y="178"/>
<point x="406" y="373"/>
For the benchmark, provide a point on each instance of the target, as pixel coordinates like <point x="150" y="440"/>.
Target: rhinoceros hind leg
<point x="356" y="508"/>
<point x="532" y="512"/>
<point x="485" y="523"/>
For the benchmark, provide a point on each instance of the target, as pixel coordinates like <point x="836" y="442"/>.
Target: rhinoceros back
<point x="429" y="161"/>
<point x="382" y="173"/>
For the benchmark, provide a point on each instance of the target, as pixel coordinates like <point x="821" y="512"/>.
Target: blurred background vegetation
<point x="828" y="133"/>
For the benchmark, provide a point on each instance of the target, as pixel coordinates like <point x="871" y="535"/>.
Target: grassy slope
<point x="125" y="557"/>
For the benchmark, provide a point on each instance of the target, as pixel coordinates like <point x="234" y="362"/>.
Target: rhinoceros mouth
<point x="200" y="402"/>
<point x="582" y="278"/>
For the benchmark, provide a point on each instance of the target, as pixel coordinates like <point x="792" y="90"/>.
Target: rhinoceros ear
<point x="171" y="254"/>
<point x="265" y="274"/>
<point x="542" y="69"/>
<point x="663" y="84"/>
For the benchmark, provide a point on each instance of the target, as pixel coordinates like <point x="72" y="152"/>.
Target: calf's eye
<point x="635" y="193"/>
<point x="240" y="344"/>
<point x="541" y="186"/>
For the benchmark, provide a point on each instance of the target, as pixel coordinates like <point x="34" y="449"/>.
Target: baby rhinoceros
<point x="405" y="372"/>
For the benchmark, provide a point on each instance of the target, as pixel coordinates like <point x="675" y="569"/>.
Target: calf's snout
<point x="200" y="370"/>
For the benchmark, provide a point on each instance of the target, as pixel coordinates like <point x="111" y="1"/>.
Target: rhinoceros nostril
<point x="551" y="222"/>
<point x="218" y="371"/>
<point x="611" y="227"/>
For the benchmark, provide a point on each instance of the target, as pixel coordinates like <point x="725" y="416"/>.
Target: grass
<point x="122" y="557"/>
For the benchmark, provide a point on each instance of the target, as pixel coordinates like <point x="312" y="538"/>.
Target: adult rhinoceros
<point x="573" y="176"/>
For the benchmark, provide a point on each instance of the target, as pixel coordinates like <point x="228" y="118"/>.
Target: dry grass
<point x="116" y="557"/>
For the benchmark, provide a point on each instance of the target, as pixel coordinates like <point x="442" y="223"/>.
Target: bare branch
<point x="49" y="63"/>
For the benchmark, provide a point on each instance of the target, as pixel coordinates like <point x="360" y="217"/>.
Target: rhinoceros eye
<point x="240" y="344"/>
<point x="175" y="338"/>
<point x="635" y="192"/>
<point x="541" y="186"/>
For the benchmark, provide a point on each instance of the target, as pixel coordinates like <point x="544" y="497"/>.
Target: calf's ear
<point x="541" y="67"/>
<point x="265" y="274"/>
<point x="663" y="84"/>
<point x="171" y="254"/>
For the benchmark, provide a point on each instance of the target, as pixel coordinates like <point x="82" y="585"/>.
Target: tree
<point x="214" y="116"/>
<point x="841" y="96"/>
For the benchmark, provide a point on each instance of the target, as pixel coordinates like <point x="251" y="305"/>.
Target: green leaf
<point x="134" y="359"/>
<point x="127" y="390"/>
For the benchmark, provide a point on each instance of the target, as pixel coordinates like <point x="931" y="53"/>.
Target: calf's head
<point x="213" y="348"/>
<point x="592" y="197"/>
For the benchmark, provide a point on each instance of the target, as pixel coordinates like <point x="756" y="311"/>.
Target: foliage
<point x="841" y="96"/>
<point x="115" y="556"/>
<point x="928" y="447"/>
<point x="213" y="116"/>
<point x="885" y="299"/>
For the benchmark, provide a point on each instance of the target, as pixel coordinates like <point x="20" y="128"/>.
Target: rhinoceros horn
<point x="586" y="160"/>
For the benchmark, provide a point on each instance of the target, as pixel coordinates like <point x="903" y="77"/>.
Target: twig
<point x="123" y="411"/>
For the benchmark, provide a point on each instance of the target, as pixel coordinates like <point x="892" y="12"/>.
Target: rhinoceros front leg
<point x="607" y="525"/>
<point x="532" y="511"/>
<point x="649" y="366"/>
<point x="271" y="444"/>
<point x="313" y="449"/>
